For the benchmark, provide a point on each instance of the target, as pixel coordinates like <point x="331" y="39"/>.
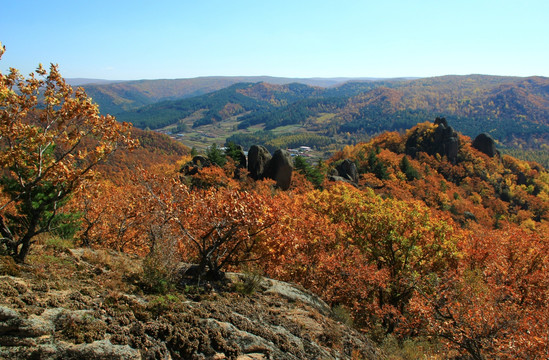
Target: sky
<point x="126" y="40"/>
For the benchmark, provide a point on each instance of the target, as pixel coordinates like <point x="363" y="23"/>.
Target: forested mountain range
<point x="513" y="110"/>
<point x="115" y="97"/>
<point x="89" y="81"/>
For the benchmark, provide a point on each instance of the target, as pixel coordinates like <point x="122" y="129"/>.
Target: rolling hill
<point x="117" y="97"/>
<point x="513" y="110"/>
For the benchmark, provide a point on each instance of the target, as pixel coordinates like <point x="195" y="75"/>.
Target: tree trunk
<point x="25" y="241"/>
<point x="25" y="246"/>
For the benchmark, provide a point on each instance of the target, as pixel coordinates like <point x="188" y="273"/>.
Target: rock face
<point x="280" y="168"/>
<point x="444" y="141"/>
<point x="258" y="157"/>
<point x="484" y="143"/>
<point x="347" y="170"/>
<point x="32" y="337"/>
<point x="69" y="316"/>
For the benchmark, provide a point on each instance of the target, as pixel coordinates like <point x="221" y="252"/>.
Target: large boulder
<point x="280" y="168"/>
<point x="347" y="170"/>
<point x="485" y="144"/>
<point x="258" y="157"/>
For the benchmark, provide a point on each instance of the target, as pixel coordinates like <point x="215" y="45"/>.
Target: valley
<point x="514" y="111"/>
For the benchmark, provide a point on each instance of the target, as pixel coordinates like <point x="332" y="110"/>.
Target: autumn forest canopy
<point x="423" y="232"/>
<point x="513" y="110"/>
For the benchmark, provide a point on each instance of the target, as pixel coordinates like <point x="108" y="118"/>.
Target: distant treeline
<point x="283" y="141"/>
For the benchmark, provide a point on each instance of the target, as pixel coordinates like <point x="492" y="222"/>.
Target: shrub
<point x="250" y="282"/>
<point x="342" y="314"/>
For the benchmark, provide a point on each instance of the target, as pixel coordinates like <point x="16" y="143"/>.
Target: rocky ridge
<point x="84" y="304"/>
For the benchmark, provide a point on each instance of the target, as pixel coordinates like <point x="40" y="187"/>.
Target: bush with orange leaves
<point x="495" y="304"/>
<point x="216" y="227"/>
<point x="357" y="249"/>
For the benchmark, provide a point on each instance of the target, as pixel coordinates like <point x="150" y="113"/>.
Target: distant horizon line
<point x="91" y="80"/>
<point x="266" y="76"/>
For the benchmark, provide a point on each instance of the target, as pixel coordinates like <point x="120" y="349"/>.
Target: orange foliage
<point x="113" y="217"/>
<point x="356" y="249"/>
<point x="51" y="137"/>
<point x="458" y="251"/>
<point x="218" y="226"/>
<point x="496" y="302"/>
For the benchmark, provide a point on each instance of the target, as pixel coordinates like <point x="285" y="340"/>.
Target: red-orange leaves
<point x="114" y="217"/>
<point x="217" y="227"/>
<point x="496" y="303"/>
<point x="359" y="250"/>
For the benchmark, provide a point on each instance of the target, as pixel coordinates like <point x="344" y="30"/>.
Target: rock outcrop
<point x="67" y="315"/>
<point x="194" y="166"/>
<point x="485" y="144"/>
<point x="261" y="165"/>
<point x="444" y="141"/>
<point x="347" y="170"/>
<point x="34" y="337"/>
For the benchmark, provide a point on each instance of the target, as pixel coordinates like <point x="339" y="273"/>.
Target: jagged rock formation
<point x="67" y="315"/>
<point x="261" y="164"/>
<point x="197" y="163"/>
<point x="444" y="141"/>
<point x="347" y="170"/>
<point x="280" y="168"/>
<point x="485" y="144"/>
<point x="258" y="157"/>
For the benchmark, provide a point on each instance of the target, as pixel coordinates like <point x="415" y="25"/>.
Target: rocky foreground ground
<point x="84" y="304"/>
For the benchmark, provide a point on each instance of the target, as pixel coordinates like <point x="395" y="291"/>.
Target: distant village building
<point x="302" y="150"/>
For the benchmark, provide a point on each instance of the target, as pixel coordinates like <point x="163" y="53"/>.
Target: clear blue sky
<point x="119" y="39"/>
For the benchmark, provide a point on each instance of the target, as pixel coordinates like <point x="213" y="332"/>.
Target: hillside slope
<point x="219" y="105"/>
<point x="427" y="224"/>
<point x="515" y="111"/>
<point x="121" y="96"/>
<point x="79" y="303"/>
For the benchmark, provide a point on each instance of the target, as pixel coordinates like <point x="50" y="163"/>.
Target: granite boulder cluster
<point x="261" y="164"/>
